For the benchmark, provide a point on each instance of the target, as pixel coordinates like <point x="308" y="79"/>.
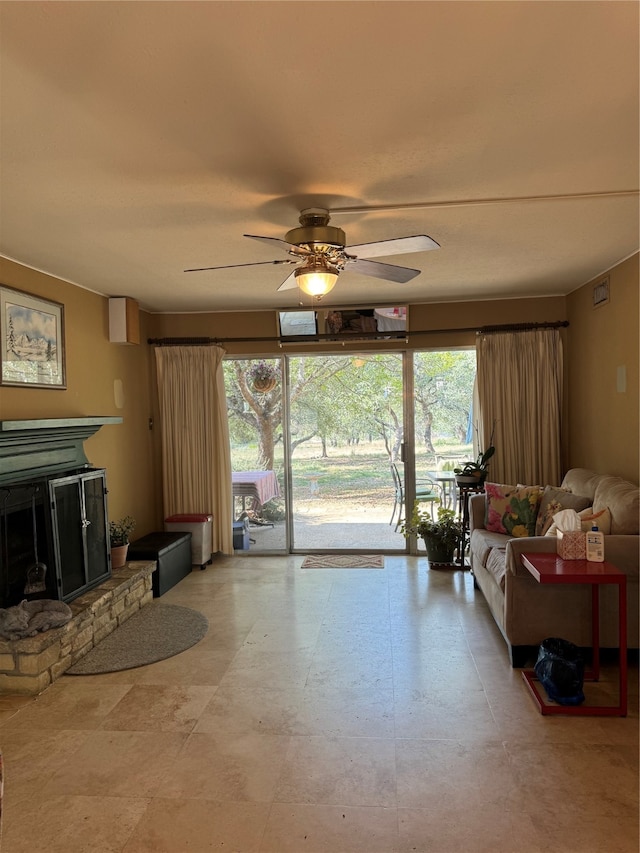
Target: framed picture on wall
<point x="31" y="340"/>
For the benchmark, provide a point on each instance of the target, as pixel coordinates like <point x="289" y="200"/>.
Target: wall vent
<point x="601" y="293"/>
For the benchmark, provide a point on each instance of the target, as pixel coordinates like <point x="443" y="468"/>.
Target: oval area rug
<point x="155" y="632"/>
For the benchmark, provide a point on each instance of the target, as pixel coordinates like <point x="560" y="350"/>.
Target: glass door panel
<point x="442" y="419"/>
<point x="254" y="402"/>
<point x="345" y="426"/>
<point x="68" y="533"/>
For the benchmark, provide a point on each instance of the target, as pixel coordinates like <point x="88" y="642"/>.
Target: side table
<point x="464" y="492"/>
<point x="551" y="569"/>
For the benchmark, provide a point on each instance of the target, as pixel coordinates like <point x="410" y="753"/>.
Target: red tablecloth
<point x="261" y="486"/>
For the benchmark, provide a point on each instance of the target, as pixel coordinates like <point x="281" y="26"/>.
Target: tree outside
<point x="351" y="399"/>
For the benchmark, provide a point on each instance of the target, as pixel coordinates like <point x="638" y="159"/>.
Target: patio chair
<point x="426" y="492"/>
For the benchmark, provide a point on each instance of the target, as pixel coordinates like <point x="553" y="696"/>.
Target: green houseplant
<point x="119" y="532"/>
<point x="474" y="472"/>
<point x="441" y="536"/>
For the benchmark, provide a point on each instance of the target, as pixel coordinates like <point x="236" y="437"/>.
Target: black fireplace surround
<point x="54" y="540"/>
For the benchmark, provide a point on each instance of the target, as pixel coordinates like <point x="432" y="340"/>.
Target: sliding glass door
<point x="327" y="449"/>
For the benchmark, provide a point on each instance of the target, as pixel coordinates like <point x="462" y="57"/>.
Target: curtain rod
<point x="522" y="327"/>
<point x="364" y="336"/>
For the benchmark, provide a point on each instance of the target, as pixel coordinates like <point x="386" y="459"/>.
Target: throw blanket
<point x="29" y="617"/>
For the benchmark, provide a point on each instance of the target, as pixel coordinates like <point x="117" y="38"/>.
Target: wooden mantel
<point x="37" y="448"/>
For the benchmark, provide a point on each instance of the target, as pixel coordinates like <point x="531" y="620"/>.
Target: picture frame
<point x="31" y="340"/>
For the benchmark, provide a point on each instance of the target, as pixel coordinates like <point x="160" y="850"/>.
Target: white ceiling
<point x="141" y="138"/>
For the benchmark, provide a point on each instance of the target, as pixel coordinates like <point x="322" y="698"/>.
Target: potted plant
<point x="119" y="532"/>
<point x="474" y="472"/>
<point x="441" y="536"/>
<point x="263" y="376"/>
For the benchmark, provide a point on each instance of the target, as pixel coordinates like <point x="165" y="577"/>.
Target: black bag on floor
<point x="560" y="669"/>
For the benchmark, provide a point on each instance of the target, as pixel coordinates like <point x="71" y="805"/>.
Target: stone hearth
<point x="31" y="665"/>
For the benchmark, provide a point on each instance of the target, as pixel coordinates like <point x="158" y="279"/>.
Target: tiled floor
<point x="326" y="710"/>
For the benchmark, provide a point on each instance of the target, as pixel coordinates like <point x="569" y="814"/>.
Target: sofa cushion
<point x="497" y="565"/>
<point x="512" y="510"/>
<point x="622" y="499"/>
<point x="553" y="500"/>
<point x="483" y="542"/>
<point x="581" y="481"/>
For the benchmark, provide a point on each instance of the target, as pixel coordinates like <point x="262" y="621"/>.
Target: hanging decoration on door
<point x="263" y="376"/>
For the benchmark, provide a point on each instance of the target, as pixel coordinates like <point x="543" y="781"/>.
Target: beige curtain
<point x="519" y="389"/>
<point x="196" y="458"/>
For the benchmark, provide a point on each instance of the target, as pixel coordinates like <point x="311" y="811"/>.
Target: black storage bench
<point x="171" y="551"/>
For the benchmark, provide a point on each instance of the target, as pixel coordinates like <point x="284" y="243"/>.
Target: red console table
<point x="551" y="569"/>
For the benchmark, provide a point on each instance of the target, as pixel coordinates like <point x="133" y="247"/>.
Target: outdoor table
<point x="260" y="486"/>
<point x="447" y="479"/>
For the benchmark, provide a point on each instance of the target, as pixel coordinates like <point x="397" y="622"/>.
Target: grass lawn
<point x="348" y="472"/>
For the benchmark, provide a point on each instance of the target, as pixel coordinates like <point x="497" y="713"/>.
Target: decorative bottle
<point x="595" y="545"/>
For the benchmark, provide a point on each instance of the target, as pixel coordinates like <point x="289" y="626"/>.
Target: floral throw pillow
<point x="512" y="510"/>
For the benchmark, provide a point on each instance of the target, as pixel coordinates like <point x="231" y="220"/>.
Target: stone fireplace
<point x="29" y="666"/>
<point x="54" y="544"/>
<point x="53" y="511"/>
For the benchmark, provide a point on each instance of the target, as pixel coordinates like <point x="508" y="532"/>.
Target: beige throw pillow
<point x="587" y="519"/>
<point x="554" y="500"/>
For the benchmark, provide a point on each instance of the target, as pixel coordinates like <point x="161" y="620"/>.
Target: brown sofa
<point x="527" y="612"/>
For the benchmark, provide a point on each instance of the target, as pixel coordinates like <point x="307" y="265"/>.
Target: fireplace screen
<point x="53" y="537"/>
<point x="80" y="531"/>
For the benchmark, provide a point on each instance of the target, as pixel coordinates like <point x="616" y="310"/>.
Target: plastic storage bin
<point x="241" y="535"/>
<point x="199" y="525"/>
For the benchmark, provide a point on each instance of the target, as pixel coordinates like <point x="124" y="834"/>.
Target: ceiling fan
<point x="320" y="254"/>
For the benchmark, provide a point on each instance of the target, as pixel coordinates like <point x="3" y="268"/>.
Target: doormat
<point x="343" y="561"/>
<point x="155" y="632"/>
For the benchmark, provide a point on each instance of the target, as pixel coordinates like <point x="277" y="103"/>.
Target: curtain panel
<point x="519" y="395"/>
<point x="196" y="456"/>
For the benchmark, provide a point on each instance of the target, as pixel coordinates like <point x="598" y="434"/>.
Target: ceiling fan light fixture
<point x="316" y="278"/>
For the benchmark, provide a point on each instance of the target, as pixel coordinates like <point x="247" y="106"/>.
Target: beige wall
<point x="603" y="421"/>
<point x="93" y="365"/>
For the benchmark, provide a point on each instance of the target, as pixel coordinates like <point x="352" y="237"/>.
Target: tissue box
<point x="572" y="545"/>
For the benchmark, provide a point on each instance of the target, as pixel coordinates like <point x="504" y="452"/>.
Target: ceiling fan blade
<point x="399" y="246"/>
<point x="281" y="244"/>
<point x="390" y="272"/>
<point x="233" y="266"/>
<point x="289" y="283"/>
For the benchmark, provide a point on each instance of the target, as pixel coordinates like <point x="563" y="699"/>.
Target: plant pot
<point x="470" y="479"/>
<point x="119" y="556"/>
<point x="437" y="552"/>
<point x="263" y="386"/>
